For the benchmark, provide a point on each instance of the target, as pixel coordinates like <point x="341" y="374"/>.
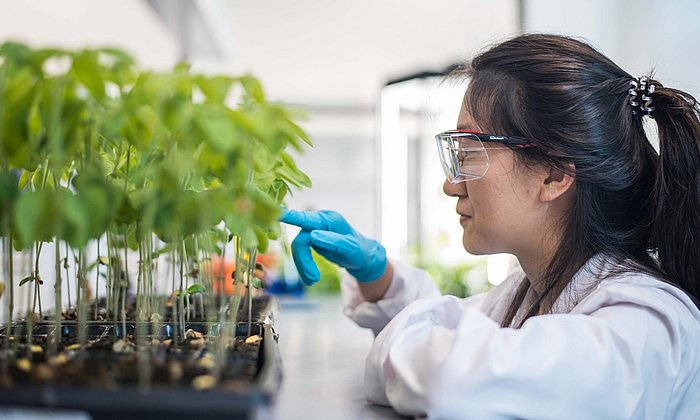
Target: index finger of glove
<point x="312" y="220"/>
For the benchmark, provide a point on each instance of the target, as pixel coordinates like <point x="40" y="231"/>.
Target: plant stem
<point x="30" y="315"/>
<point x="97" y="280"/>
<point x="65" y="265"/>
<point x="108" y="285"/>
<point x="173" y="268"/>
<point x="37" y="278"/>
<point x="249" y="289"/>
<point x="222" y="280"/>
<point x="57" y="298"/>
<point x="7" y="250"/>
<point x="116" y="280"/>
<point x="241" y="269"/>
<point x="11" y="279"/>
<point x="185" y="260"/>
<point x="139" y="285"/>
<point x="198" y="265"/>
<point x="149" y="271"/>
<point x="81" y="297"/>
<point x="123" y="286"/>
<point x="181" y="300"/>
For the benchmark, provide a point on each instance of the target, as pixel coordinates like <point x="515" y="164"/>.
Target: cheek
<point x="500" y="219"/>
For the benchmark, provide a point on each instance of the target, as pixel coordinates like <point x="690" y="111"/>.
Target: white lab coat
<point x="628" y="348"/>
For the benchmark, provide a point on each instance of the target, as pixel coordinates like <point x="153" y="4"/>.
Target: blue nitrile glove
<point x="332" y="237"/>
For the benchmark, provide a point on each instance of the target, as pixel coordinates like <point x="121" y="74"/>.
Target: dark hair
<point x="640" y="207"/>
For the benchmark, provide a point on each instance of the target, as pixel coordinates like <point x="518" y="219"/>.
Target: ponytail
<point x="675" y="231"/>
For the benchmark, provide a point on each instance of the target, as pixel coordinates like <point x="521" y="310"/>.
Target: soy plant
<point x="93" y="150"/>
<point x="45" y="124"/>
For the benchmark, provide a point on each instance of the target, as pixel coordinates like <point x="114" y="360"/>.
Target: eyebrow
<point x="463" y="127"/>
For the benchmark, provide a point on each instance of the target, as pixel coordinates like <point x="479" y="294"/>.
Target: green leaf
<point x="89" y="72"/>
<point x="253" y="87"/>
<point x="288" y="170"/>
<point x="74" y="223"/>
<point x="263" y="242"/>
<point x="217" y="126"/>
<point x="35" y="217"/>
<point x="118" y="55"/>
<point x="196" y="288"/>
<point x="141" y="126"/>
<point x="103" y="260"/>
<point x="278" y="190"/>
<point x="35" y="126"/>
<point x="215" y="88"/>
<point x="24" y="179"/>
<point x="274" y="231"/>
<point x="300" y="133"/>
<point x="8" y="192"/>
<point x="15" y="51"/>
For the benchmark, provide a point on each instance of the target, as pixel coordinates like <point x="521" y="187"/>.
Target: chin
<point x="478" y="245"/>
<point x="475" y="250"/>
<point x="472" y="246"/>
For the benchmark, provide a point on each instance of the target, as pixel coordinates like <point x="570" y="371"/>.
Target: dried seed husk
<point x="197" y="343"/>
<point x="24" y="364"/>
<point x="253" y="339"/>
<point x="57" y="360"/>
<point x="192" y="334"/>
<point x="207" y="361"/>
<point x="203" y="382"/>
<point x="123" y="346"/>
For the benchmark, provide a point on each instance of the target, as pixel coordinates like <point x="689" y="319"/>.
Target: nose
<point x="454" y="190"/>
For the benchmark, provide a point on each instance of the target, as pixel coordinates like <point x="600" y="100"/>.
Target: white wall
<point x="639" y="35"/>
<point x="332" y="51"/>
<point x="127" y="24"/>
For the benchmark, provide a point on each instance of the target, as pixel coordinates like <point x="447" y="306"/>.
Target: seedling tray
<point x="160" y="400"/>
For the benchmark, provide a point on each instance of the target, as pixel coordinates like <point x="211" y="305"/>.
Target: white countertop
<point x="323" y="357"/>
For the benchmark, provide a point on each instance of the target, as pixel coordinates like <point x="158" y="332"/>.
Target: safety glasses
<point x="463" y="155"/>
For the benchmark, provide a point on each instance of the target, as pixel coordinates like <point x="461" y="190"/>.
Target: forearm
<point x="375" y="290"/>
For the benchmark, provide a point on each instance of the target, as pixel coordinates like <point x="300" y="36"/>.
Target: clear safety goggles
<point x="463" y="155"/>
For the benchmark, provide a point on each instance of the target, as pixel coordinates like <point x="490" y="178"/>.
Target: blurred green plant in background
<point x="460" y="280"/>
<point x="330" y="275"/>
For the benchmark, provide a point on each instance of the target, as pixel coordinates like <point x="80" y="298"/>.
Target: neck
<point x="534" y="260"/>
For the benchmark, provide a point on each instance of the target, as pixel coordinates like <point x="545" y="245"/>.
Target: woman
<point x="601" y="319"/>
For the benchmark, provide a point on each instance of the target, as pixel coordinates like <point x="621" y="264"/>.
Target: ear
<point x="556" y="182"/>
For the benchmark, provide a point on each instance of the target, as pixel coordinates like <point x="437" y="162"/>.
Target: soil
<point x="144" y="355"/>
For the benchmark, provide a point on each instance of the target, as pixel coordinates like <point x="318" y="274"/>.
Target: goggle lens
<point x="462" y="155"/>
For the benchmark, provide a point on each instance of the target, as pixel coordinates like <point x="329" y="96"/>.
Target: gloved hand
<point x="332" y="237"/>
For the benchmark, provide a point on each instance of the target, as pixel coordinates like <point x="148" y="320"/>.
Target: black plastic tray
<point x="171" y="402"/>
